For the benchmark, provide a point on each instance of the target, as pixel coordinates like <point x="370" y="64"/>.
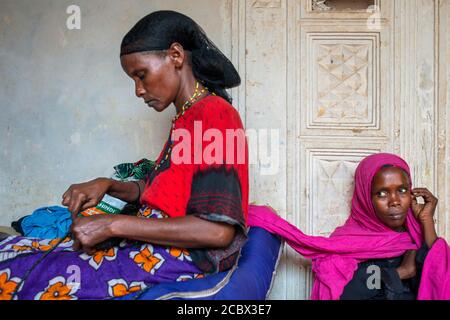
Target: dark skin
<point x="161" y="79"/>
<point x="392" y="197"/>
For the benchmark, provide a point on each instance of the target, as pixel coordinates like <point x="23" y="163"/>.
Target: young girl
<point x="387" y="249"/>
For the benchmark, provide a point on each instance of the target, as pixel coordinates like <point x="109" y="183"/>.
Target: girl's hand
<point x="86" y="195"/>
<point x="424" y="212"/>
<point x="90" y="231"/>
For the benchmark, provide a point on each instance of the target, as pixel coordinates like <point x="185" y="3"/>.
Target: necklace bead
<point x="197" y="93"/>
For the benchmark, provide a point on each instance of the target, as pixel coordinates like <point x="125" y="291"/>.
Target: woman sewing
<point x="194" y="203"/>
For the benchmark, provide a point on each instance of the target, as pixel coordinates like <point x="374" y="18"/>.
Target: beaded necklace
<point x="197" y="94"/>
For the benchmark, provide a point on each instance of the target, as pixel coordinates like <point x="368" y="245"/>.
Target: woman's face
<point x="391" y="197"/>
<point x="156" y="77"/>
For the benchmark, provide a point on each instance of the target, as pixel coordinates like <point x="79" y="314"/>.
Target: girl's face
<point x="391" y="197"/>
<point x="156" y="78"/>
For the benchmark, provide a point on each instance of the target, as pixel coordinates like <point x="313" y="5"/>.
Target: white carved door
<point x="340" y="80"/>
<point x="343" y="65"/>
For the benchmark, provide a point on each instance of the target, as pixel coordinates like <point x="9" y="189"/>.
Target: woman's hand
<point x="424" y="212"/>
<point x="90" y="231"/>
<point x="408" y="267"/>
<point x="86" y="195"/>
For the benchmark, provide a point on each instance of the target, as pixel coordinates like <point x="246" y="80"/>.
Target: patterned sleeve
<point x="216" y="196"/>
<point x="219" y="187"/>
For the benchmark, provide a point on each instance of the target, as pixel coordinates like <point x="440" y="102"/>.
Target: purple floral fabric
<point x="65" y="274"/>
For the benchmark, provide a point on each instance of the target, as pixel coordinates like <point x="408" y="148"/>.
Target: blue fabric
<point x="251" y="279"/>
<point x="47" y="223"/>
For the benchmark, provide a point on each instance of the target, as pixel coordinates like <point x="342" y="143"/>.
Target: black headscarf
<point x="159" y="30"/>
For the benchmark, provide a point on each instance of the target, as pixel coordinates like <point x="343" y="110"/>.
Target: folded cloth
<point x="47" y="223"/>
<point x="133" y="171"/>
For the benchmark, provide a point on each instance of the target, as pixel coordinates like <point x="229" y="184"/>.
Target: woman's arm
<point x="184" y="232"/>
<point x="86" y="195"/>
<point x="429" y="232"/>
<point x="425" y="213"/>
<point x="408" y="268"/>
<point x="126" y="191"/>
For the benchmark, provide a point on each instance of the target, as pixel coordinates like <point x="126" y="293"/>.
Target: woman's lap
<point x="66" y="274"/>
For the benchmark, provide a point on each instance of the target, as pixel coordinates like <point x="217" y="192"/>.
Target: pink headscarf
<point x="362" y="237"/>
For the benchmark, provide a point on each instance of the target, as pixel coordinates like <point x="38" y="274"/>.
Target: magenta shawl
<point x="362" y="237"/>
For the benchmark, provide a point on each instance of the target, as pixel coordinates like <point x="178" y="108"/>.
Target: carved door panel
<point x="340" y="80"/>
<point x="344" y="66"/>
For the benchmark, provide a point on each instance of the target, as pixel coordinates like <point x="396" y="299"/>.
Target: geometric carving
<point x="331" y="185"/>
<point x="343" y="91"/>
<point x="266" y="4"/>
<point x="335" y="180"/>
<point x="320" y="5"/>
<point x="341" y="5"/>
<point x="343" y="81"/>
